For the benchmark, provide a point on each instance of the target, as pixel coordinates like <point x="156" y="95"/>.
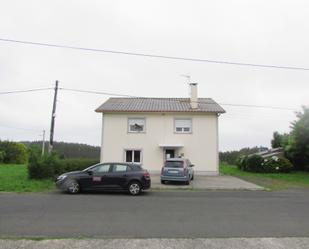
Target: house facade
<point x="149" y="130"/>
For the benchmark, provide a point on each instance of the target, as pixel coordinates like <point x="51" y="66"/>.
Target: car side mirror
<point x="90" y="172"/>
<point x="191" y="165"/>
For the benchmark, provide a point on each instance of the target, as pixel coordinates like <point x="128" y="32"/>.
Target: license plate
<point x="173" y="171"/>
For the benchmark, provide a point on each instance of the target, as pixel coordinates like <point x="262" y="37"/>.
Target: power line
<point x="132" y="96"/>
<point x="97" y="92"/>
<point x="20" y="128"/>
<point x="200" y="102"/>
<point x="28" y="90"/>
<point x="260" y="106"/>
<point x="156" y="56"/>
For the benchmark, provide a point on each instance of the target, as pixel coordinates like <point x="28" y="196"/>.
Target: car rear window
<point x="174" y="164"/>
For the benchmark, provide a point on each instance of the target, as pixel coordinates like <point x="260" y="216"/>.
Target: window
<point x="173" y="164"/>
<point x="101" y="168"/>
<point x="133" y="156"/>
<point x="183" y="125"/>
<point x="119" y="168"/>
<point x="136" y="125"/>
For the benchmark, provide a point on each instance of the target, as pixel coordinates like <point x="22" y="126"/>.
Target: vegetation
<point x="40" y="167"/>
<point x="256" y="163"/>
<point x="231" y="157"/>
<point x="272" y="181"/>
<point x="12" y="152"/>
<point x="296" y="143"/>
<point x="70" y="150"/>
<point x="49" y="165"/>
<point x="14" y="178"/>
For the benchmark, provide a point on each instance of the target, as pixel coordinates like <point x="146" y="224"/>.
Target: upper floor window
<point x="183" y="125"/>
<point x="136" y="125"/>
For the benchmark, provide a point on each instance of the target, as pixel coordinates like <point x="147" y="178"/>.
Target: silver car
<point x="177" y="169"/>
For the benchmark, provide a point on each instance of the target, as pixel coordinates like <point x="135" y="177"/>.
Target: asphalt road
<point x="209" y="214"/>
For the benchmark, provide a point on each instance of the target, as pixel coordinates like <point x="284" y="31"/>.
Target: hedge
<point x="256" y="163"/>
<point x="49" y="165"/>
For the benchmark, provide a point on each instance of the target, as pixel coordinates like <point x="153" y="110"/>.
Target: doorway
<point x="169" y="153"/>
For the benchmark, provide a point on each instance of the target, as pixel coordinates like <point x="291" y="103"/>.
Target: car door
<point x="119" y="175"/>
<point x="99" y="177"/>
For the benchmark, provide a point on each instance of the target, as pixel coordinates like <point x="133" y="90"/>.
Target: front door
<point x="169" y="153"/>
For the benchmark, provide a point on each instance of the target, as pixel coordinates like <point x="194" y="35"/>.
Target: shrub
<point x="254" y="163"/>
<point x="13" y="152"/>
<point x="277" y="164"/>
<point x="73" y="164"/>
<point x="2" y="156"/>
<point x="241" y="162"/>
<point x="40" y="167"/>
<point x="50" y="165"/>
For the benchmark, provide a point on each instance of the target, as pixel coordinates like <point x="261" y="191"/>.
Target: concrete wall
<point x="201" y="146"/>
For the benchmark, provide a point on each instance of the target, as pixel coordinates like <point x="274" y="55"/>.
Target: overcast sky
<point x="262" y="32"/>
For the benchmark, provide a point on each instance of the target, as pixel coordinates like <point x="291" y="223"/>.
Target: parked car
<point x="177" y="169"/>
<point x="106" y="176"/>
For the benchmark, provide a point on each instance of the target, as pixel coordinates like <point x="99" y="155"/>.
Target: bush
<point x="2" y="156"/>
<point x="49" y="165"/>
<point x="277" y="164"/>
<point x="254" y="163"/>
<point x="40" y="167"/>
<point x="73" y="164"/>
<point x="241" y="162"/>
<point x="13" y="152"/>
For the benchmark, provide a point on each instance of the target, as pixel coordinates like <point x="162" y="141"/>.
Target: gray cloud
<point x="262" y="32"/>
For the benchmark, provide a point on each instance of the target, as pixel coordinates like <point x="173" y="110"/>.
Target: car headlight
<point x="60" y="178"/>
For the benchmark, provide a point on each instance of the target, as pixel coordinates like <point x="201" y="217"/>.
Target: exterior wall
<point x="201" y="146"/>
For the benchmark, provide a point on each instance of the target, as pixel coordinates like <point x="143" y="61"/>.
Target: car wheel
<point x="134" y="188"/>
<point x="162" y="182"/>
<point x="73" y="187"/>
<point x="187" y="182"/>
<point x="192" y="178"/>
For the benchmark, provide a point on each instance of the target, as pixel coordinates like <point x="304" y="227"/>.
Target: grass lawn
<point x="14" y="178"/>
<point x="273" y="181"/>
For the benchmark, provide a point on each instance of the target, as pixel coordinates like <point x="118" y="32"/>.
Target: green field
<point x="272" y="181"/>
<point x="14" y="178"/>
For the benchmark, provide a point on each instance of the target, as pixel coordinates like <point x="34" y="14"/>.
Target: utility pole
<point x="52" y="126"/>
<point x="43" y="143"/>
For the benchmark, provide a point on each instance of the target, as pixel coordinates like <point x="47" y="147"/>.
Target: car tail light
<point x="147" y="175"/>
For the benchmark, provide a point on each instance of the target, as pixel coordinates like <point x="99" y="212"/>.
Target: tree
<point x="279" y="140"/>
<point x="297" y="149"/>
<point x="13" y="152"/>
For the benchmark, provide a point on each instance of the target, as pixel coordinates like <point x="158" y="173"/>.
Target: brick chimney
<point x="193" y="95"/>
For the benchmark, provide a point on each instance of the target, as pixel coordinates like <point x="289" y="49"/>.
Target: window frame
<point x="136" y="132"/>
<point x="183" y="132"/>
<point x="133" y="151"/>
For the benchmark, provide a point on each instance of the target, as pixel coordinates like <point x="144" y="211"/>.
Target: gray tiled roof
<point x="158" y="105"/>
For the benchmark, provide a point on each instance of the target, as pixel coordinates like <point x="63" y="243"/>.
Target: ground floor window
<point x="133" y="156"/>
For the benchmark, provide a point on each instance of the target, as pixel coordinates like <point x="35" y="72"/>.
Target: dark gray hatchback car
<point x="106" y="176"/>
<point x="177" y="169"/>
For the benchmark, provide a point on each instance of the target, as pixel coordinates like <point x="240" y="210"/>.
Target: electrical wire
<point x="132" y="96"/>
<point x="20" y="128"/>
<point x="166" y="57"/>
<point x="28" y="90"/>
<point x="96" y="92"/>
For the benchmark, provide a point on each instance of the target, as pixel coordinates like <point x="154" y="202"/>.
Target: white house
<point x="149" y="130"/>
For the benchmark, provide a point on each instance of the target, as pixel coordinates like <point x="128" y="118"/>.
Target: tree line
<point x="295" y="144"/>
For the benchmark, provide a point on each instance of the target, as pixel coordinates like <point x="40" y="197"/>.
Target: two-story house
<point x="149" y="130"/>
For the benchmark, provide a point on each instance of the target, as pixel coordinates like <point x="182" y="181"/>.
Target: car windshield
<point x="173" y="164"/>
<point x="92" y="166"/>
